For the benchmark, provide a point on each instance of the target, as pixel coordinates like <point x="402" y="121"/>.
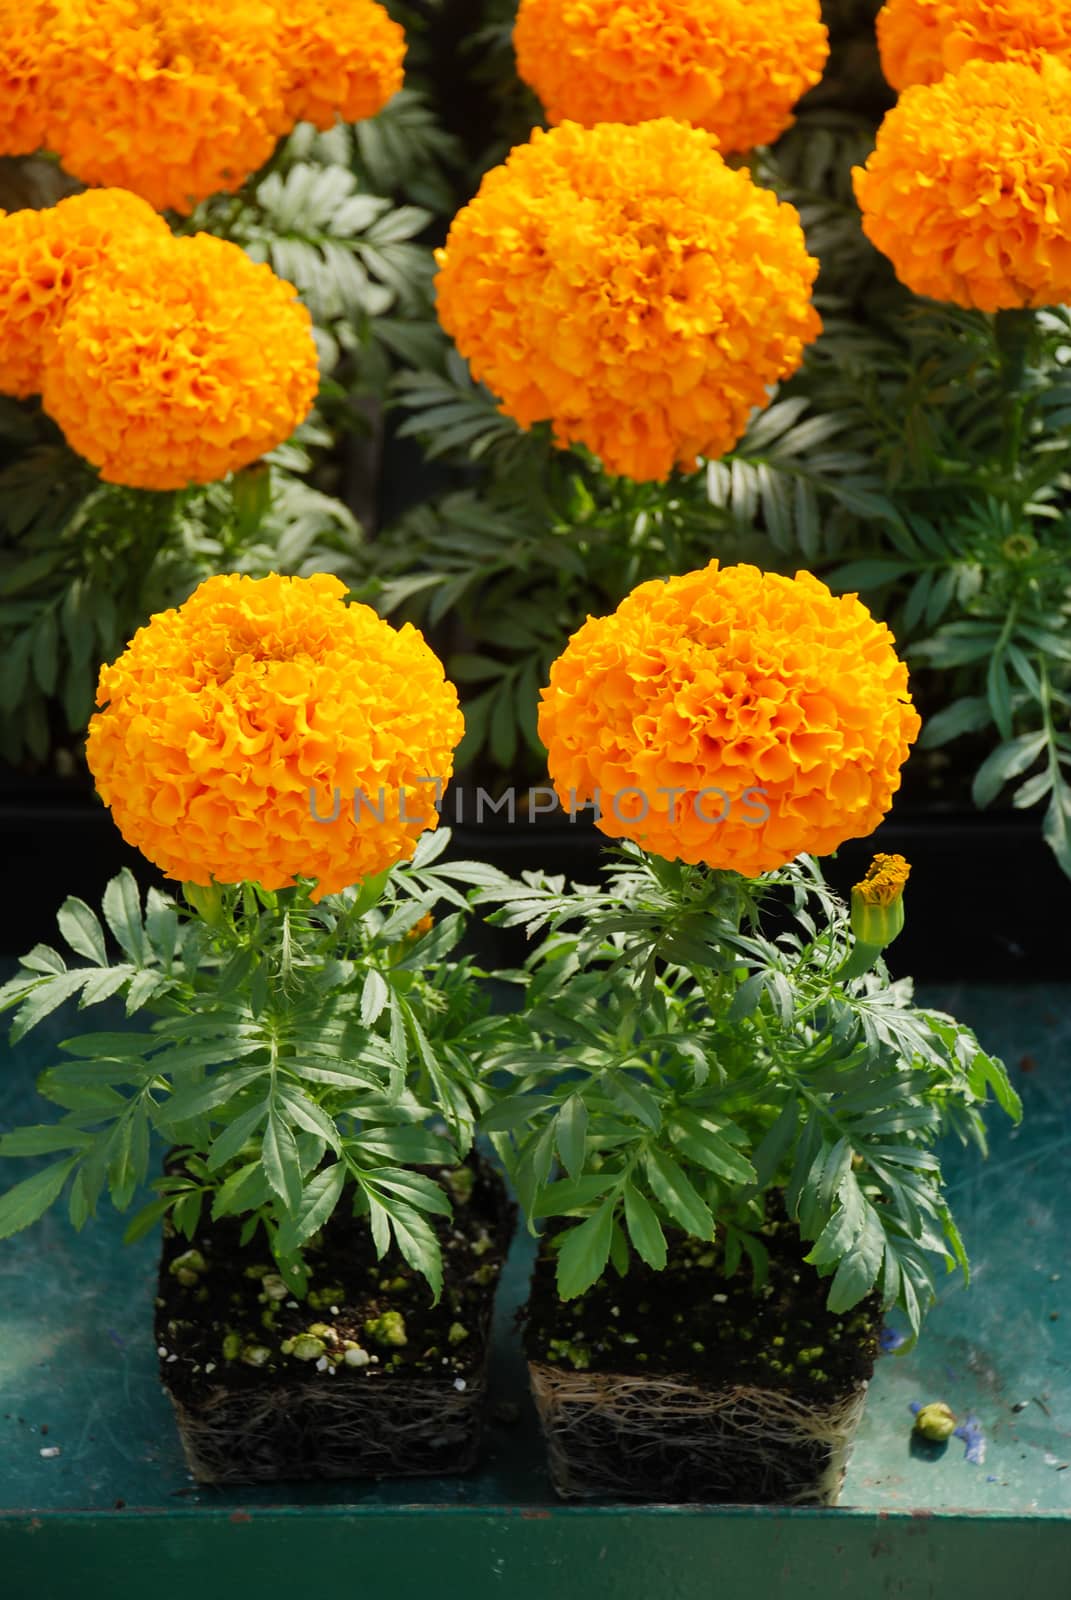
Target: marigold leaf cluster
<point x="223" y="718"/>
<point x="732" y="717"/>
<point x="921" y="40"/>
<point x="735" y="67"/>
<point x="181" y="365"/>
<point x="45" y="256"/>
<point x="625" y="284"/>
<point x="180" y="99"/>
<point x="968" y="191"/>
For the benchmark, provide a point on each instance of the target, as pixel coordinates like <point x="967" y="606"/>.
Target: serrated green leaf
<point x="31" y="1198"/>
<point x="584" y="1252"/>
<point x="644" y="1228"/>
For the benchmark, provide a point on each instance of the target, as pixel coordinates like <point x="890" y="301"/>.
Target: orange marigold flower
<point x="235" y="726"/>
<point x="968" y="191"/>
<point x="182" y="365"/>
<point x="625" y="284"/>
<point x="26" y="68"/>
<point x="731" y="716"/>
<point x="174" y="99"/>
<point x="343" y="58"/>
<point x="921" y="40"/>
<point x="736" y="67"/>
<point x="44" y="256"/>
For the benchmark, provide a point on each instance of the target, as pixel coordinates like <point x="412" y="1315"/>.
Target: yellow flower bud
<point x="878" y="902"/>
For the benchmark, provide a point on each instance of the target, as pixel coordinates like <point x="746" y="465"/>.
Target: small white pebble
<point x="375" y="1361"/>
<point x="356" y="1357"/>
<point x="292" y="1305"/>
<point x="161" y="1350"/>
<point x="460" y="1384"/>
<point x="323" y="1364"/>
<point x="446" y="1361"/>
<point x="333" y="1310"/>
<point x="719" y="1299"/>
<point x="170" y="1359"/>
<point x="615" y="1311"/>
<point x="210" y="1366"/>
<point x="50" y="1451"/>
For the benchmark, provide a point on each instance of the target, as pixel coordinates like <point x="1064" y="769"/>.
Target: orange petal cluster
<point x="230" y="723"/>
<point x="26" y="70"/>
<point x="625" y="284"/>
<point x="344" y="58"/>
<point x="735" y="67"/>
<point x="180" y="365"/>
<point x="921" y="40"/>
<point x="968" y="191"/>
<point x="731" y="716"/>
<point x="179" y="99"/>
<point x="45" y="256"/>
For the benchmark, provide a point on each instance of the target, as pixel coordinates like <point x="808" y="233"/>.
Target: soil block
<point x="364" y="1378"/>
<point x="689" y="1385"/>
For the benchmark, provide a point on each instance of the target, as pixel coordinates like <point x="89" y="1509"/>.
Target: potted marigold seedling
<point x="725" y="1109"/>
<point x="309" y="1052"/>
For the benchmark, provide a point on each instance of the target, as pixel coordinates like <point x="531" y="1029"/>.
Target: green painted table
<point x="114" y="1515"/>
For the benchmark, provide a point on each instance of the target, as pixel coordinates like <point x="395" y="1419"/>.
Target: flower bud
<point x="878" y="902"/>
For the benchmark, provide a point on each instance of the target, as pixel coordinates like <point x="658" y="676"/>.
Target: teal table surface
<point x="78" y="1377"/>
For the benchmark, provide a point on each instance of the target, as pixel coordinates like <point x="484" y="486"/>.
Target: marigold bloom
<point x="233" y="723"/>
<point x="736" y="67"/>
<point x="25" y="75"/>
<point x="45" y="255"/>
<point x="968" y="191"/>
<point x="921" y="40"/>
<point x="343" y="58"/>
<point x="174" y="99"/>
<point x="731" y="716"/>
<point x="182" y="365"/>
<point x="626" y="285"/>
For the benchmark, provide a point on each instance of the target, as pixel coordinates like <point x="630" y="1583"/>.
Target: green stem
<point x="1014" y="332"/>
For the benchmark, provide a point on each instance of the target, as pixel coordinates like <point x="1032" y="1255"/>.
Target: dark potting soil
<point x="691" y="1321"/>
<point x="224" y="1321"/>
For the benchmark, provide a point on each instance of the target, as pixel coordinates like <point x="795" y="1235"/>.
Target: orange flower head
<point x="968" y="191"/>
<point x="186" y="363"/>
<point x="174" y="99"/>
<point x="44" y="257"/>
<point x="26" y="72"/>
<point x="730" y="716"/>
<point x="237" y="730"/>
<point x="735" y="67"/>
<point x="343" y="59"/>
<point x="625" y="284"/>
<point x="921" y="40"/>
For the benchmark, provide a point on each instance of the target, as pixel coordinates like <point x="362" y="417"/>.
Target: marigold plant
<point x="967" y="191"/>
<point x="186" y="363"/>
<point x="736" y="67"/>
<point x="732" y="717"/>
<point x="266" y="730"/>
<point x="921" y="40"/>
<point x="626" y="285"/>
<point x="343" y="58"/>
<point x="45" y="255"/>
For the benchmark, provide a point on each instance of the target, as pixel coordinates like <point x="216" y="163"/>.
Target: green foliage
<point x="672" y="1061"/>
<point x="296" y="1057"/>
<point x="517" y="562"/>
<point x="84" y="564"/>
